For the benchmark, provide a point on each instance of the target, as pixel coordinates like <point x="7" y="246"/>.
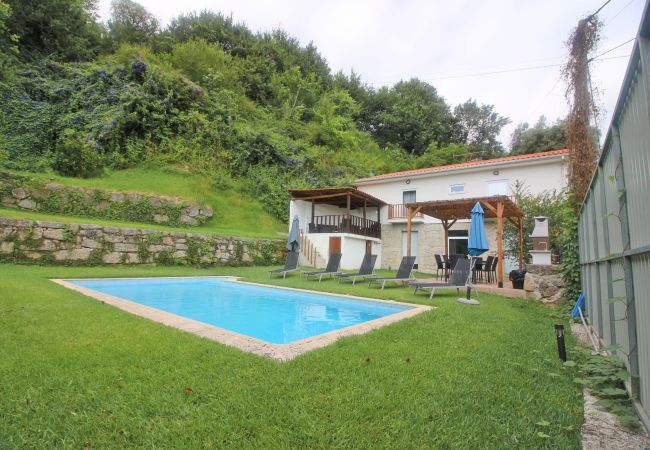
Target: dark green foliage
<point x="539" y="138"/>
<point x="61" y="29"/>
<point x="113" y="110"/>
<point x="131" y="22"/>
<point x="569" y="242"/>
<point x="73" y="157"/>
<point x="479" y="126"/>
<point x="411" y="115"/>
<point x="605" y="377"/>
<point x="8" y="42"/>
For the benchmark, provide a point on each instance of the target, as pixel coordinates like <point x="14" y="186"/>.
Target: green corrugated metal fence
<point x="614" y="227"/>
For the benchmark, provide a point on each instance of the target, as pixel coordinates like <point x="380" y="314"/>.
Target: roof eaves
<point x="459" y="167"/>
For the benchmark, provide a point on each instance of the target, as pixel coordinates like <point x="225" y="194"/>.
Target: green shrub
<point x="73" y="157"/>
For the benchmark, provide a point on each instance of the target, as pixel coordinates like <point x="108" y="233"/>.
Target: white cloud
<point x="388" y="40"/>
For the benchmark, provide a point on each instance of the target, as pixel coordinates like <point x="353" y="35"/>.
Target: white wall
<point x="353" y="248"/>
<point x="538" y="176"/>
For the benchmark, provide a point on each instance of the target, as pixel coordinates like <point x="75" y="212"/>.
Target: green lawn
<point x="78" y="373"/>
<point x="235" y="214"/>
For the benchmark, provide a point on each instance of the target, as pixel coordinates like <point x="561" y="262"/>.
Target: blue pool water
<point x="279" y="316"/>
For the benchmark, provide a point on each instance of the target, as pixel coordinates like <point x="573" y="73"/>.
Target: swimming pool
<point x="273" y="315"/>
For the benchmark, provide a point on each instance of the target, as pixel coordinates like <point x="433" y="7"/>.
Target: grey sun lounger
<point x="332" y="268"/>
<point x="404" y="273"/>
<point x="367" y="269"/>
<point x="458" y="279"/>
<point x="290" y="265"/>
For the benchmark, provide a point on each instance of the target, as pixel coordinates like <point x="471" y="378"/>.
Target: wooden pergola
<point x="449" y="211"/>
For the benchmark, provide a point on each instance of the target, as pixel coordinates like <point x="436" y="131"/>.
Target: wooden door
<point x="335" y="245"/>
<point x="368" y="247"/>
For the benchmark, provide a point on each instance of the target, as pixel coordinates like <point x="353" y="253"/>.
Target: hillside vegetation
<point x="251" y="112"/>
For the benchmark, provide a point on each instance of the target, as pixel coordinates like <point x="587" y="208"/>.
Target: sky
<point x="457" y="46"/>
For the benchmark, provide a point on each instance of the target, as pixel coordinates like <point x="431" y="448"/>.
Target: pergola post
<point x="348" y="214"/>
<point x="364" y="209"/>
<point x="410" y="213"/>
<point x="521" y="244"/>
<point x="408" y="231"/>
<point x="313" y="209"/>
<point x="500" y="207"/>
<point x="445" y="226"/>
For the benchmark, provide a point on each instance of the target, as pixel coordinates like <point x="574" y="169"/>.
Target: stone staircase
<point x="309" y="254"/>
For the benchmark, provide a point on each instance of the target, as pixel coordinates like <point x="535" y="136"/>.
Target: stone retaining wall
<point x="544" y="283"/>
<point x="27" y="241"/>
<point x="24" y="193"/>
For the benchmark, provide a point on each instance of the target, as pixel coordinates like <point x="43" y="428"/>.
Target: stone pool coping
<point x="279" y="352"/>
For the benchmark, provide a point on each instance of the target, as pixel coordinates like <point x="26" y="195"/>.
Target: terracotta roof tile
<point x="483" y="162"/>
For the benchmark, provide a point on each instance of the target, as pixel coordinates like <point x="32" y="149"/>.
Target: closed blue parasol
<point x="293" y="243"/>
<point x="478" y="243"/>
<point x="476" y="246"/>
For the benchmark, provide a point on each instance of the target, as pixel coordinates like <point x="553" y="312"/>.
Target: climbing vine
<point x="581" y="139"/>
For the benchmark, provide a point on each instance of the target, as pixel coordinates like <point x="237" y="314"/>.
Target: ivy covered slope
<point x="253" y="112"/>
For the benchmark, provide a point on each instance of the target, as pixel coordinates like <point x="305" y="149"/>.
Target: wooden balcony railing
<point x="399" y="212"/>
<point x="345" y="224"/>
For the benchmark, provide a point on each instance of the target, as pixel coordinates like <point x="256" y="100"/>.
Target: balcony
<point x="341" y="223"/>
<point x="398" y="212"/>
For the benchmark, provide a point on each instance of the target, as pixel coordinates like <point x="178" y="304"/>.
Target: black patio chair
<point x="459" y="278"/>
<point x="367" y="269"/>
<point x="333" y="265"/>
<point x="404" y="273"/>
<point x="485" y="269"/>
<point x="290" y="265"/>
<point x="440" y="265"/>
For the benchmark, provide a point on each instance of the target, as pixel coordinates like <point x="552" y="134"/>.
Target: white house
<point x="372" y="217"/>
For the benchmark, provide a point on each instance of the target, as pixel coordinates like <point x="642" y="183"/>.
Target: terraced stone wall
<point x="27" y="241"/>
<point x="23" y="193"/>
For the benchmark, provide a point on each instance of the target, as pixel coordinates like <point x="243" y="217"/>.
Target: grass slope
<point x="78" y="373"/>
<point x="235" y="214"/>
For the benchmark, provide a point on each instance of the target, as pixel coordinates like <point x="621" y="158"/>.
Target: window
<point x="456" y="188"/>
<point x="457" y="242"/>
<point x="500" y="187"/>
<point x="408" y="197"/>
<point x="414" y="245"/>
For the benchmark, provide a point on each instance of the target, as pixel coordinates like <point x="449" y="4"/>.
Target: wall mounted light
<point x="408" y="181"/>
<point x="495" y="172"/>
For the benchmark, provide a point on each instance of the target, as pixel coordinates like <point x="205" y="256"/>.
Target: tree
<point x="131" y="22"/>
<point x="215" y="28"/>
<point x="65" y="30"/>
<point x="479" y="126"/>
<point x="8" y="41"/>
<point x="539" y="138"/>
<point x="441" y="156"/>
<point x="411" y="114"/>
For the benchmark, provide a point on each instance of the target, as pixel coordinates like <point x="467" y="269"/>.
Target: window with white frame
<point x="457" y="188"/>
<point x="500" y="187"/>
